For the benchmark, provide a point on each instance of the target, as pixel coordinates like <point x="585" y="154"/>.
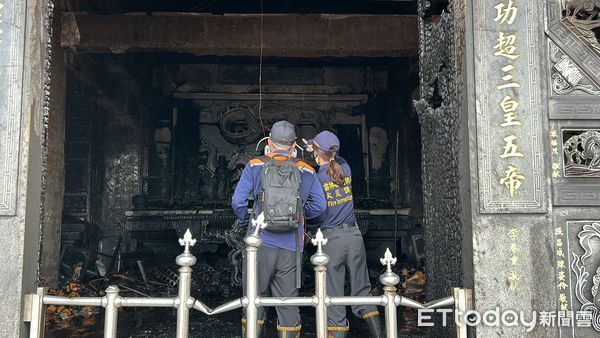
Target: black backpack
<point x="279" y="196"/>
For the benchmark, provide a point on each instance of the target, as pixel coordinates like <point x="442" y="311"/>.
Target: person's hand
<point x="309" y="147"/>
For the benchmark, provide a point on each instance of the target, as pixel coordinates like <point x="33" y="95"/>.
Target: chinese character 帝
<point x="512" y="179"/>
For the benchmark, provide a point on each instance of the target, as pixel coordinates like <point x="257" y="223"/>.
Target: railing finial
<point x="319" y="241"/>
<point x="187" y="241"/>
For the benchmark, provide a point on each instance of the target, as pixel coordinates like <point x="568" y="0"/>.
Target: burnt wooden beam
<point x="284" y="35"/>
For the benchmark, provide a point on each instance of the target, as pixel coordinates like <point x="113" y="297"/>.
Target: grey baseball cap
<point x="283" y="133"/>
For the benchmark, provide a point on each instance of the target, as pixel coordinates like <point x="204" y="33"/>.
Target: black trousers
<point x="277" y="271"/>
<point x="346" y="251"/>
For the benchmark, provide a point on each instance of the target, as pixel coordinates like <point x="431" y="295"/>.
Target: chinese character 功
<point x="507" y="78"/>
<point x="511" y="149"/>
<point x="506" y="15"/>
<point x="506" y="46"/>
<point x="512" y="179"/>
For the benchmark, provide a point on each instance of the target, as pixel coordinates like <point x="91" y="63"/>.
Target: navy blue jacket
<point x="311" y="194"/>
<point x="340" y="203"/>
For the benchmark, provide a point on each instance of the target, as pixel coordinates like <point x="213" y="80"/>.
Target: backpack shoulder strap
<point x="303" y="166"/>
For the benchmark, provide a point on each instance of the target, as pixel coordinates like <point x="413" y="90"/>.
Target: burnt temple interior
<point x="155" y="138"/>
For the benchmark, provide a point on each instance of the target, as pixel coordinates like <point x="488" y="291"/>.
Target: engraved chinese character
<point x="506" y="13"/>
<point x="558" y="232"/>
<point x="553" y="133"/>
<point x="508" y="78"/>
<point x="564" y="307"/>
<point x="554" y="151"/>
<point x="555" y="166"/>
<point x="513" y="285"/>
<point x="561" y="276"/>
<point x="560" y="264"/>
<point x="506" y="46"/>
<point x="513" y="233"/>
<point x="510" y="148"/>
<point x="560" y="253"/>
<point x="512" y="179"/>
<point x="514" y="260"/>
<point x="514" y="248"/>
<point x="513" y="276"/>
<point x="554" y="143"/>
<point x="562" y="298"/>
<point x="556" y="174"/>
<point x="509" y="107"/>
<point x="559" y="242"/>
<point x="562" y="286"/>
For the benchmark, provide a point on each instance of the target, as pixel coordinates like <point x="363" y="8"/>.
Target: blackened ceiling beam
<point x="284" y="35"/>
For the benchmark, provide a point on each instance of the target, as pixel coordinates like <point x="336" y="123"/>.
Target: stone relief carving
<point x="583" y="18"/>
<point x="567" y="77"/>
<point x="582" y="153"/>
<point x="582" y="266"/>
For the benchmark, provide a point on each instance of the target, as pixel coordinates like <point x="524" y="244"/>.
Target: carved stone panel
<point x="577" y="263"/>
<point x="509" y="114"/>
<point x="12" y="15"/>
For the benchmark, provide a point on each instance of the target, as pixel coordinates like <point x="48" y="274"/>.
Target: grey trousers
<point x="277" y="272"/>
<point x="346" y="251"/>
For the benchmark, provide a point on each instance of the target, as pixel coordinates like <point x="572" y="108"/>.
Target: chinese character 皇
<point x="514" y="259"/>
<point x="506" y="46"/>
<point x="560" y="264"/>
<point x="513" y="233"/>
<point x="512" y="179"/>
<point x="506" y="15"/>
<point x="583" y="318"/>
<point x="514" y="248"/>
<point x="547" y="318"/>
<point x="507" y="78"/>
<point x="561" y="276"/>
<point x="509" y="107"/>
<point x="562" y="285"/>
<point x="510" y="148"/>
<point x="558" y="232"/>
<point x="565" y="317"/>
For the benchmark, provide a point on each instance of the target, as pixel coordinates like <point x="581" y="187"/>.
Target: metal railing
<point x="111" y="302"/>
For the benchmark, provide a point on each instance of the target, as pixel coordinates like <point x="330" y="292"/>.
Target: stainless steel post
<point x="253" y="242"/>
<point x="320" y="260"/>
<point x="462" y="304"/>
<point x="389" y="279"/>
<point x="111" y="312"/>
<point x="38" y="314"/>
<point x="185" y="302"/>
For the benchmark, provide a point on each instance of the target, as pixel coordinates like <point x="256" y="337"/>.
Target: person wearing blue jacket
<point x="345" y="246"/>
<point x="277" y="254"/>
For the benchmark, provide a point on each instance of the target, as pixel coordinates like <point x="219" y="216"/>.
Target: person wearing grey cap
<point x="345" y="246"/>
<point x="278" y="256"/>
